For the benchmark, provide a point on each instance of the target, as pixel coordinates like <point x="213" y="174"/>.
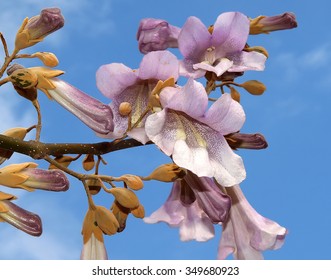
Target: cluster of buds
<point x="28" y="177"/>
<point x="101" y="221"/>
<point x="26" y="82"/>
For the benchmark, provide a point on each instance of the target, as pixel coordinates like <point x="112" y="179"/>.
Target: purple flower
<point x="28" y="177"/>
<point x="209" y="196"/>
<point x="124" y="85"/>
<point x="38" y="27"/>
<point x="218" y="51"/>
<point x="156" y="35"/>
<point x="265" y="24"/>
<point x="19" y="217"/>
<point x="246" y="141"/>
<point x="194" y="136"/>
<point x="183" y="211"/>
<point x="48" y="180"/>
<point x="92" y="112"/>
<point x="246" y="234"/>
<point x="194" y="205"/>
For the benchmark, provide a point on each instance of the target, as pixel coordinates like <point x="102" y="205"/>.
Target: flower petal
<point x="112" y="79"/>
<point x="191" y="99"/>
<point x="230" y="33"/>
<point x="225" y="115"/>
<point x="197" y="225"/>
<point x="171" y="212"/>
<point x="92" y="112"/>
<point x="159" y="65"/>
<point x="194" y="39"/>
<point x="247" y="61"/>
<point x="247" y="232"/>
<point x="94" y="249"/>
<point x="209" y="196"/>
<point x="220" y="68"/>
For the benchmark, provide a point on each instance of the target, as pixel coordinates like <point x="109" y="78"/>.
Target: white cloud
<point x="14" y="110"/>
<point x="317" y="58"/>
<point x="298" y="63"/>
<point x="58" y="240"/>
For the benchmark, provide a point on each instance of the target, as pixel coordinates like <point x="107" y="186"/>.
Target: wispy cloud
<point x="12" y="114"/>
<point x="56" y="242"/>
<point x="294" y="65"/>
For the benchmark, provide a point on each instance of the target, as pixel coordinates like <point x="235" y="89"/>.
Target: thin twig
<point x="4" y="43"/>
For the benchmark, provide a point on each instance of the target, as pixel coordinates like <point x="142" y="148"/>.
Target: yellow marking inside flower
<point x="138" y="110"/>
<point x="201" y="142"/>
<point x="181" y="134"/>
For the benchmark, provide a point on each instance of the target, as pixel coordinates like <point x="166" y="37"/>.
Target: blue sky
<point x="289" y="182"/>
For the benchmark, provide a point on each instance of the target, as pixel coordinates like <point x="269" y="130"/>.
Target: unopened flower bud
<point x="29" y="93"/>
<point x="246" y="141"/>
<point x="24" y="78"/>
<point x="17" y="133"/>
<point x="125" y="197"/>
<point x="63" y="160"/>
<point x="48" y="180"/>
<point x="156" y="34"/>
<point x="88" y="162"/>
<point x="125" y="109"/>
<point x="106" y="220"/>
<point x="95" y="114"/>
<point x="49" y="59"/>
<point x="35" y="29"/>
<point x="97" y="221"/>
<point x="254" y="87"/>
<point x="139" y="212"/>
<point x="235" y="94"/>
<point x="169" y="172"/>
<point x="28" y="177"/>
<point x="20" y="218"/>
<point x="121" y="213"/>
<point x="265" y="24"/>
<point x="132" y="181"/>
<point x="94" y="186"/>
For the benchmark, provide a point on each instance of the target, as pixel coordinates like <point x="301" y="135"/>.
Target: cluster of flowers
<point x="149" y="105"/>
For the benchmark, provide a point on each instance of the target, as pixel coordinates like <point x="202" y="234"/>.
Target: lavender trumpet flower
<point x="156" y="35"/>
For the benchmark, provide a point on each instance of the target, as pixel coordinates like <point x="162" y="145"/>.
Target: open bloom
<point x="98" y="221"/>
<point x="156" y="35"/>
<point x="28" y="177"/>
<point x="192" y="221"/>
<point x="194" y="136"/>
<point x="124" y="85"/>
<point x="194" y="205"/>
<point x="220" y="50"/>
<point x="19" y="217"/>
<point x="246" y="234"/>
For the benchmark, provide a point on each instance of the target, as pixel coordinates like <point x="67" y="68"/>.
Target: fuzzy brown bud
<point x="169" y="172"/>
<point x="125" y="197"/>
<point x="254" y="87"/>
<point x="88" y="162"/>
<point x="132" y="181"/>
<point x="49" y="59"/>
